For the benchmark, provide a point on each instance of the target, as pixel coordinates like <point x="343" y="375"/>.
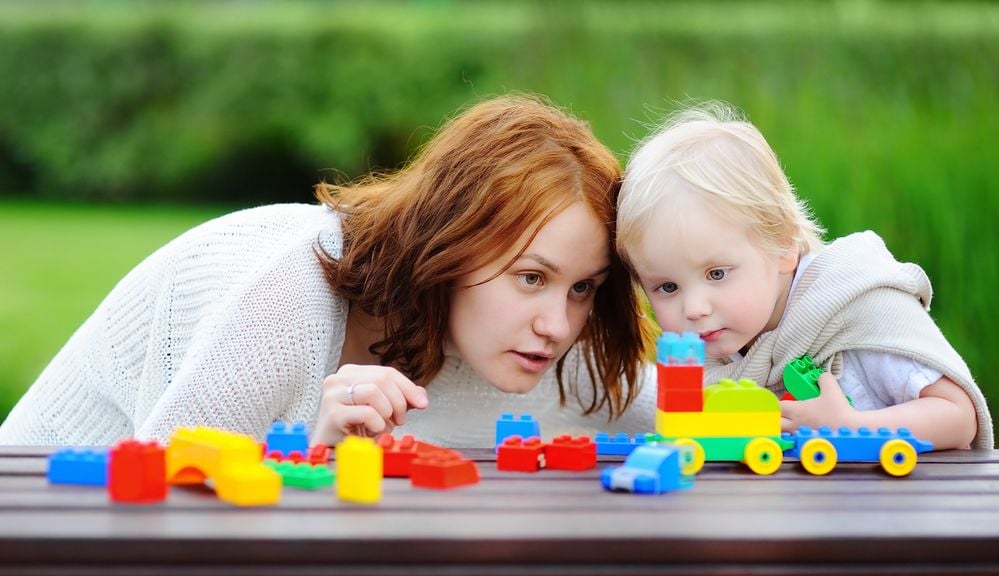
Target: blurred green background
<point x="124" y="123"/>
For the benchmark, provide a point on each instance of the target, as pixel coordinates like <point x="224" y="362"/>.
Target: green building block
<point x="742" y="396"/>
<point x="303" y="474"/>
<point x="801" y="378"/>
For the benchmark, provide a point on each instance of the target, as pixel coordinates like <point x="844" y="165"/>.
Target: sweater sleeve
<point x="261" y="356"/>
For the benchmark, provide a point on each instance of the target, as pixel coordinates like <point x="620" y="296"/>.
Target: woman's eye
<point x="668" y="287"/>
<point x="717" y="274"/>
<point x="582" y="288"/>
<point x="530" y="278"/>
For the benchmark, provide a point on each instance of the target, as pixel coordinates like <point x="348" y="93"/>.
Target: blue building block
<point x="673" y="348"/>
<point x="651" y="469"/>
<point x="860" y="445"/>
<point x="87" y="467"/>
<point x="525" y="426"/>
<point x="619" y="444"/>
<point x="287" y="439"/>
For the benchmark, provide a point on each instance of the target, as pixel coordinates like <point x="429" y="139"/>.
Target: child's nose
<point x="695" y="308"/>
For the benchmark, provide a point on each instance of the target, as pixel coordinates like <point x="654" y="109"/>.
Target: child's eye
<point x="668" y="287"/>
<point x="717" y="273"/>
<point x="530" y="279"/>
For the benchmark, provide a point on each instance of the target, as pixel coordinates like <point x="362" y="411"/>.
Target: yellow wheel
<point x="763" y="456"/>
<point x="692" y="460"/>
<point x="898" y="457"/>
<point x="818" y="456"/>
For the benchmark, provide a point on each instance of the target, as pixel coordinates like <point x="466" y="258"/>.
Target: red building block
<point x="681" y="400"/>
<point x="319" y="454"/>
<point x="568" y="453"/>
<point x="137" y="472"/>
<point x="442" y="469"/>
<point x="398" y="454"/>
<point x="518" y="455"/>
<point x="686" y="377"/>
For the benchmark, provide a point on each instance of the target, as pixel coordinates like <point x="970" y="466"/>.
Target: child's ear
<point x="787" y="262"/>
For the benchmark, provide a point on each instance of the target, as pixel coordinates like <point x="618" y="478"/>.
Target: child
<point x="722" y="246"/>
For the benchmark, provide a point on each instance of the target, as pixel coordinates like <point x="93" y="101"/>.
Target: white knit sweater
<point x="232" y="325"/>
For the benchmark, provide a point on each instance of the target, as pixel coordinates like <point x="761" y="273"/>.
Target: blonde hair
<point x="712" y="152"/>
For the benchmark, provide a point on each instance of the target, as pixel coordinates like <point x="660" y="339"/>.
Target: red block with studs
<point x="681" y="400"/>
<point x="516" y="454"/>
<point x="568" y="453"/>
<point x="137" y="472"/>
<point x="442" y="469"/>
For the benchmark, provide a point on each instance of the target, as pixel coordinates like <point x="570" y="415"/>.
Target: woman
<point x="453" y="286"/>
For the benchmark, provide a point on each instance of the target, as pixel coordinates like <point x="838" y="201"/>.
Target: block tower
<point x="680" y="363"/>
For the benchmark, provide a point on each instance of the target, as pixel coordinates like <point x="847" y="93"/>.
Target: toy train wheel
<point x="898" y="457"/>
<point x="693" y="460"/>
<point x="818" y="456"/>
<point x="763" y="456"/>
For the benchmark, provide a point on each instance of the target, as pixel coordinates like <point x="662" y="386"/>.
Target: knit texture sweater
<point x="856" y="296"/>
<point x="233" y="325"/>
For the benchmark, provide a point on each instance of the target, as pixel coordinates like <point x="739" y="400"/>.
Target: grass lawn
<point x="57" y="263"/>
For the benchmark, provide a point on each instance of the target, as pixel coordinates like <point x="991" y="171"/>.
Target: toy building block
<point x="516" y="454"/>
<point x="137" y="472"/>
<point x="303" y="474"/>
<point x="525" y="426"/>
<point x="359" y="470"/>
<point x="673" y="348"/>
<point x="801" y="378"/>
<point x="568" y="453"/>
<point x="278" y="456"/>
<point x="742" y="396"/>
<point x="397" y="455"/>
<point x="676" y="377"/>
<point x="442" y="470"/>
<point x="232" y="461"/>
<point x="72" y="466"/>
<point x="651" y="469"/>
<point x="287" y="439"/>
<point x="619" y="444"/>
<point x="680" y="400"/>
<point x="820" y="450"/>
<point x="319" y="454"/>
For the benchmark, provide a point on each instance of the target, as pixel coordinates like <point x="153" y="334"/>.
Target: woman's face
<point x="515" y="327"/>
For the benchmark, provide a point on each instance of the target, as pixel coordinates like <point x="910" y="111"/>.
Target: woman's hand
<point x="830" y="408"/>
<point x="365" y="401"/>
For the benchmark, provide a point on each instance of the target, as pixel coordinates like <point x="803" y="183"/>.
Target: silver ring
<point x="350" y="394"/>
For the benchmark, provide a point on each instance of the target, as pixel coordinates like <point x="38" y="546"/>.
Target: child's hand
<point x="831" y="408"/>
<point x="365" y="401"/>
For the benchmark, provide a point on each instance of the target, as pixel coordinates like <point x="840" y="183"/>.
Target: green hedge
<point x="883" y="113"/>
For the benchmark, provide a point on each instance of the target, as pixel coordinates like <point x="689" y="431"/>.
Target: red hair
<point x="499" y="170"/>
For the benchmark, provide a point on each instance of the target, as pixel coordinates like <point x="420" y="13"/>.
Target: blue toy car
<point x="652" y="469"/>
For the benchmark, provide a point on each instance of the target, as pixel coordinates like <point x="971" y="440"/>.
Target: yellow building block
<point x="359" y="470"/>
<point x="712" y="424"/>
<point x="232" y="461"/>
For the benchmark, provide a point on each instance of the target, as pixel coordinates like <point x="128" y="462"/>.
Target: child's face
<point x="514" y="328"/>
<point x="705" y="274"/>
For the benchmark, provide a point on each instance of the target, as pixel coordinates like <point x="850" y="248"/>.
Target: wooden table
<point x="857" y="520"/>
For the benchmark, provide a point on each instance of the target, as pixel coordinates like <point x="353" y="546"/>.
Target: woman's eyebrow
<point x="555" y="268"/>
<point x="544" y="262"/>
